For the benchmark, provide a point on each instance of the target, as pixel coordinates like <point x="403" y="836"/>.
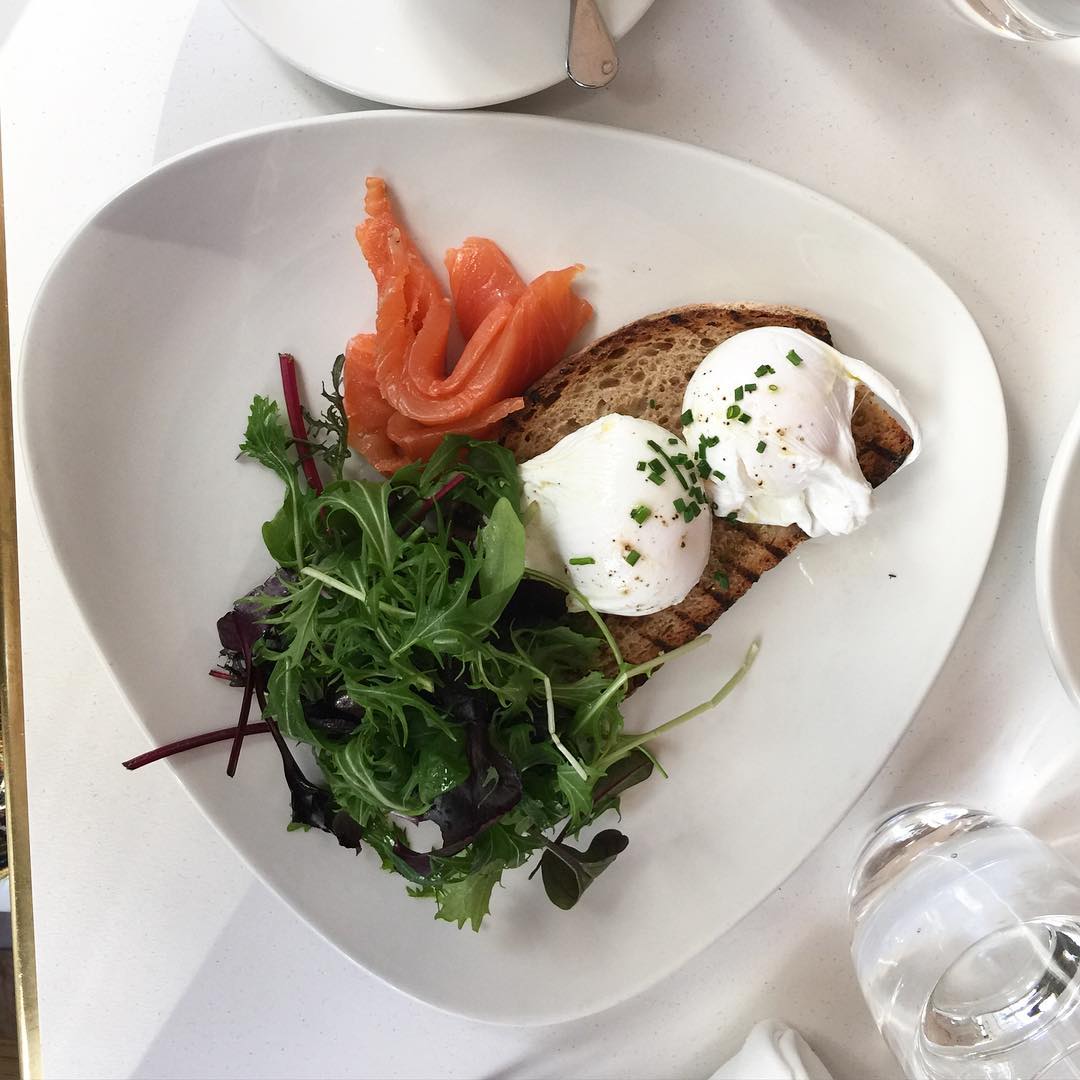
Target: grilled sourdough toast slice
<point x="642" y="370"/>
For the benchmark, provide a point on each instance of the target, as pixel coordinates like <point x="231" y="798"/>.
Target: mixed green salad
<point x="436" y="679"/>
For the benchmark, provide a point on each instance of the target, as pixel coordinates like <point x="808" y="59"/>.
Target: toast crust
<point x="642" y="370"/>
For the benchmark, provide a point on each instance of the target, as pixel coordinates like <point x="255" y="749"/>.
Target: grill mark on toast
<point x="891" y="456"/>
<point x="661" y="644"/>
<point x="719" y="596"/>
<point x="777" y="553"/>
<point x="698" y="626"/>
<point x="756" y="536"/>
<point x="749" y="575"/>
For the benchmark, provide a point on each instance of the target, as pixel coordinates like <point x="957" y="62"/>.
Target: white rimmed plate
<point x="163" y="317"/>
<point x="1057" y="560"/>
<point x="427" y="54"/>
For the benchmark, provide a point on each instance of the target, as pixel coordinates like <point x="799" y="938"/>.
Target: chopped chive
<point x="697" y="493"/>
<point x="680" y="459"/>
<point x="652" y="403"/>
<point x="750" y="387"/>
<point x="738" y="393"/>
<point x="680" y="506"/>
<point x="673" y="442"/>
<point x="761" y="447"/>
<point x="773" y="387"/>
<point x="745" y="418"/>
<point x="641" y="514"/>
<point x="632" y="556"/>
<point x="733" y="412"/>
<point x="721" y="578"/>
<point x="674" y="468"/>
<point x="656" y="477"/>
<point x="765" y="369"/>
<point x="582" y="560"/>
<point x="732" y="516"/>
<point x="704" y="469"/>
<point x="720" y="476"/>
<point x="656" y="465"/>
<point x="686" y="418"/>
<point x="794" y="357"/>
<point x="642" y="466"/>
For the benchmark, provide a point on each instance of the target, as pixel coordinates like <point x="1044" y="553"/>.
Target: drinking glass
<point x="966" y="943"/>
<point x="1028" y="20"/>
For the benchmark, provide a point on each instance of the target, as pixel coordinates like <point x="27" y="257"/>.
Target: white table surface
<point x="159" y="954"/>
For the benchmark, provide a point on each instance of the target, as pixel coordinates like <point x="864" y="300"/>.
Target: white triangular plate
<point x="164" y="316"/>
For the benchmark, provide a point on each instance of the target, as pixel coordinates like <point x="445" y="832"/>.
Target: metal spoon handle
<point x="591" y="60"/>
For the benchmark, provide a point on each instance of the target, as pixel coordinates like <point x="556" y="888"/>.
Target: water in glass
<point x="966" y="943"/>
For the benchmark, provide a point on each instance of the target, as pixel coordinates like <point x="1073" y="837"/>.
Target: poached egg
<point x="601" y="517"/>
<point x="770" y="411"/>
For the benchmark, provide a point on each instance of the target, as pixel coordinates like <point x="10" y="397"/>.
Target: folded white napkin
<point x="773" y="1051"/>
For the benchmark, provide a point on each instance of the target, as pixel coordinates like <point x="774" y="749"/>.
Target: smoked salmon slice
<point x="420" y="441"/>
<point x="503" y="360"/>
<point x="481" y="277"/>
<point x="412" y="320"/>
<point x="365" y="410"/>
<point x="400" y="398"/>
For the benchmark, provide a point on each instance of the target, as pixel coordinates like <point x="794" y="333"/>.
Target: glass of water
<point x="1027" y="20"/>
<point x="966" y="943"/>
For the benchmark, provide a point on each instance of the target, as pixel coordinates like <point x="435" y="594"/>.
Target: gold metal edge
<point x="11" y="712"/>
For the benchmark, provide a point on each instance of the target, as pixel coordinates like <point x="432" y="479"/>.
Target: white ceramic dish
<point x="427" y="54"/>
<point x="163" y="317"/>
<point x="1057" y="560"/>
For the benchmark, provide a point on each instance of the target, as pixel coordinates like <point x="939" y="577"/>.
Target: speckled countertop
<point x="963" y="145"/>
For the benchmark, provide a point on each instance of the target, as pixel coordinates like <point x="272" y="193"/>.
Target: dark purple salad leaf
<point x="567" y="872"/>
<point x="348" y="830"/>
<point x="636" y="767"/>
<point x="416" y="861"/>
<point x="238" y="631"/>
<point x="243" y="624"/>
<point x="492" y="789"/>
<point x="533" y="604"/>
<point x="338" y="715"/>
<point x="275" y="587"/>
<point x="312" y="805"/>
<point x="464" y="704"/>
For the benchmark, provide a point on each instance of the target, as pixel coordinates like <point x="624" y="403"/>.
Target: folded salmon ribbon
<point x="400" y="397"/>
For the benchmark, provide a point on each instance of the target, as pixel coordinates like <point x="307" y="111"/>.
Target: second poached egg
<point x="770" y="410"/>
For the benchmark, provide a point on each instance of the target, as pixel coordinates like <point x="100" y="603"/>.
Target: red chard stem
<point x="191" y="743"/>
<point x="294" y="407"/>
